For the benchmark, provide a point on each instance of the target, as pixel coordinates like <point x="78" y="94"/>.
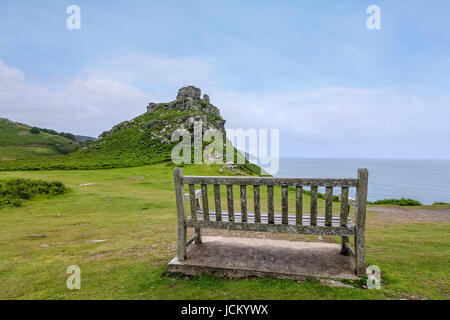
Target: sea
<point x="427" y="181"/>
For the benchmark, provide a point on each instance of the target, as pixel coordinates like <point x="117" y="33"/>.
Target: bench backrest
<point x="360" y="183"/>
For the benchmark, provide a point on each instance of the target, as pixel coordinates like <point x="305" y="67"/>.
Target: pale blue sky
<point x="310" y="68"/>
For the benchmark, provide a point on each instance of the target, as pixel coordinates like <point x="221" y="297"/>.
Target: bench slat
<point x="328" y="205"/>
<point x="269" y="181"/>
<point x="278" y="227"/>
<point x="299" y="204"/>
<point x="344" y="206"/>
<point x="313" y="204"/>
<point x="270" y="207"/>
<point x="292" y="219"/>
<point x="193" y="201"/>
<point x="217" y="202"/>
<point x="244" y="203"/>
<point x="230" y="202"/>
<point x="284" y="204"/>
<point x="205" y="201"/>
<point x="257" y="203"/>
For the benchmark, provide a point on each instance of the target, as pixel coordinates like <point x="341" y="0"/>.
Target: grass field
<point x="134" y="210"/>
<point x="18" y="143"/>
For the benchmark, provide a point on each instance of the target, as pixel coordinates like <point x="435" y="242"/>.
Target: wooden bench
<point x="284" y="222"/>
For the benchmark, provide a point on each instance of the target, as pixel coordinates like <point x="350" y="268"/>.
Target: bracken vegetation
<point x="14" y="191"/>
<point x="396" y="202"/>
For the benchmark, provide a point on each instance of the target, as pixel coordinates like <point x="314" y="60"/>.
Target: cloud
<point x="84" y="106"/>
<point x="345" y="122"/>
<point x="320" y="122"/>
<point x="155" y="70"/>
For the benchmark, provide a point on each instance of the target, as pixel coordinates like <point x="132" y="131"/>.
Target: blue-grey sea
<point x="424" y="180"/>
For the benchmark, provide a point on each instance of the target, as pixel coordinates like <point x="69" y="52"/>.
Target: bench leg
<point x="360" y="255"/>
<point x="344" y="250"/>
<point x="182" y="242"/>
<point x="198" y="232"/>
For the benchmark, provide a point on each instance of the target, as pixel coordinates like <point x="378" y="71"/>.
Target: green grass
<point x="129" y="147"/>
<point x="134" y="209"/>
<point x="18" y="143"/>
<point x="20" y="152"/>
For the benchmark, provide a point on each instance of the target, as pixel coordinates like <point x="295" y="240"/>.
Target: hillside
<point x="143" y="140"/>
<point x="18" y="142"/>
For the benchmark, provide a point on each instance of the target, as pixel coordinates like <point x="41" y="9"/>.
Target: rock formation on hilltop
<point x="162" y="119"/>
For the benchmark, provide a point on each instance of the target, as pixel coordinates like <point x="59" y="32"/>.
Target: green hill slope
<point x="18" y="142"/>
<point x="143" y="140"/>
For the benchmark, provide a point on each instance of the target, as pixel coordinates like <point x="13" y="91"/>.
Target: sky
<point x="311" y="69"/>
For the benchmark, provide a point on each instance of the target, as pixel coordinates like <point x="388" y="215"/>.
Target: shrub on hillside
<point x="14" y="191"/>
<point x="35" y="130"/>
<point x="397" y="202"/>
<point x="67" y="147"/>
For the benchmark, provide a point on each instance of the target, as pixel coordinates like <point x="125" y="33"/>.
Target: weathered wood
<point x="349" y="249"/>
<point x="313" y="205"/>
<point x="344" y="216"/>
<point x="299" y="204"/>
<point x="270" y="207"/>
<point x="179" y="196"/>
<point x="260" y="227"/>
<point x="269" y="181"/>
<point x="328" y="205"/>
<point x="336" y="222"/>
<point x="344" y="206"/>
<point x="193" y="239"/>
<point x="193" y="201"/>
<point x="257" y="203"/>
<point x="360" y="216"/>
<point x="244" y="203"/>
<point x="217" y="202"/>
<point x="284" y="204"/>
<point x="230" y="202"/>
<point x="205" y="201"/>
<point x="275" y="222"/>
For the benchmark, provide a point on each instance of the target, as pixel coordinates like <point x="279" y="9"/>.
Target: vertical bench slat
<point x="193" y="202"/>
<point x="244" y="203"/>
<point x="230" y="203"/>
<point x="344" y="215"/>
<point x="328" y="206"/>
<point x="270" y="209"/>
<point x="313" y="208"/>
<point x="344" y="206"/>
<point x="179" y="195"/>
<point x="299" y="205"/>
<point x="205" y="202"/>
<point x="360" y="220"/>
<point x="284" y="205"/>
<point x="217" y="202"/>
<point x="257" y="203"/>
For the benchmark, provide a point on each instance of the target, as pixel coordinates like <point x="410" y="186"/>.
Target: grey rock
<point x="152" y="107"/>
<point x="37" y="236"/>
<point x="189" y="92"/>
<point x="206" y="98"/>
<point x="154" y="123"/>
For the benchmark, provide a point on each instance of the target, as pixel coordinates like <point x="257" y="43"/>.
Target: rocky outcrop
<point x="192" y="109"/>
<point x="152" y="107"/>
<point x="120" y="126"/>
<point x="189" y="92"/>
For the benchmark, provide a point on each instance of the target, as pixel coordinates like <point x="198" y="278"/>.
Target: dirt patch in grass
<point x="395" y="214"/>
